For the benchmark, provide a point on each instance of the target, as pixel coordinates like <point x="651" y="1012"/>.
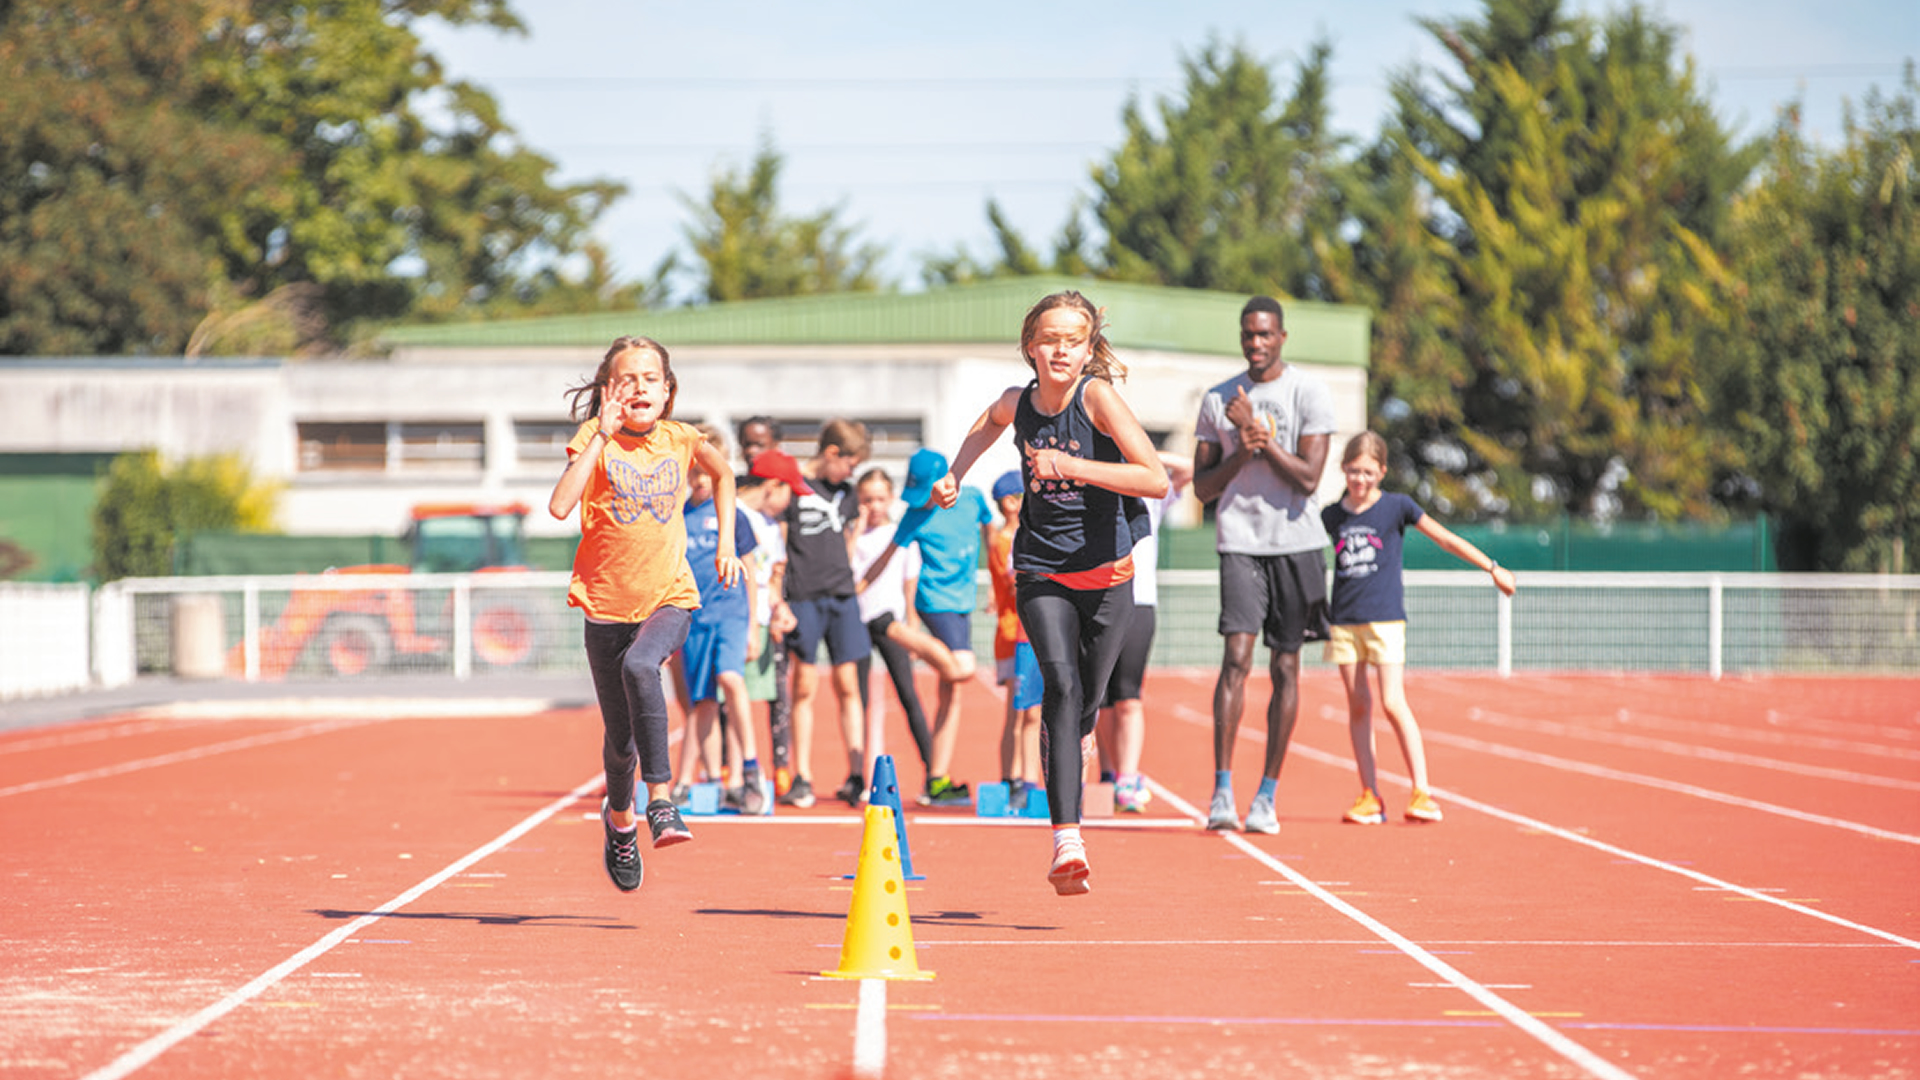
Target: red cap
<point x="779" y="465"/>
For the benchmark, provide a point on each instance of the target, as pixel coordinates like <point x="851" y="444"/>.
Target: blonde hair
<point x="1365" y="444"/>
<point x="875" y="473"/>
<point x="1101" y="361"/>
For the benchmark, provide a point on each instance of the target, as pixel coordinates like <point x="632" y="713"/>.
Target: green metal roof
<point x="1139" y="317"/>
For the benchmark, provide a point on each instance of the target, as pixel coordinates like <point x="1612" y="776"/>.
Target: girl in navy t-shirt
<point x="1369" y="616"/>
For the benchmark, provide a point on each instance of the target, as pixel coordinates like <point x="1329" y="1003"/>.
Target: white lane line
<point x="145" y="1053"/>
<point x="1695" y="790"/>
<point x="870" y="1031"/>
<point x="1586" y="1060"/>
<point x="1679" y="749"/>
<point x="195" y="754"/>
<point x="1450" y="795"/>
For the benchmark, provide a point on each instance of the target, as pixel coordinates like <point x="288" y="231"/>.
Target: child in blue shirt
<point x="1369" y="616"/>
<point x="723" y="637"/>
<point x="950" y="540"/>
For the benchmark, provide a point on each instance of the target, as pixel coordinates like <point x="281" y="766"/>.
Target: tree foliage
<point x="1574" y="171"/>
<point x="747" y="248"/>
<point x="1232" y="188"/>
<point x="1818" y="379"/>
<point x="164" y="166"/>
<point x="145" y="505"/>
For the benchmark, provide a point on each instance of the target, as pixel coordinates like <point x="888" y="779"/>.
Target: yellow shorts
<point x="1374" y="642"/>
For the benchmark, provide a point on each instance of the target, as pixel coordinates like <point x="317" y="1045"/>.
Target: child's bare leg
<point x="706" y="720"/>
<point x="1129" y="735"/>
<point x="846" y="687"/>
<point x="946" y="721"/>
<point x="1393" y="702"/>
<point x="1360" y="723"/>
<point x="806" y="679"/>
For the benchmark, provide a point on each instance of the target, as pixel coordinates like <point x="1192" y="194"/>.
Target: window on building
<point x="392" y="446"/>
<point x="892" y="440"/>
<point x="343" y="447"/>
<point x="540" y="446"/>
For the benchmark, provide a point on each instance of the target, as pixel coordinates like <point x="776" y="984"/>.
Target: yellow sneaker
<point x="1366" y="810"/>
<point x="1422" y="808"/>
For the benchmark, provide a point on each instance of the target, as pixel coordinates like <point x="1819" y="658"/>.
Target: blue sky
<point x="910" y="117"/>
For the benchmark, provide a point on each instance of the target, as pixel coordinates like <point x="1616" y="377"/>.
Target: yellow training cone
<point x="879" y="941"/>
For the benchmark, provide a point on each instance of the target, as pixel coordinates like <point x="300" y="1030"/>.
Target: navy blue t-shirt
<point x="1067" y="526"/>
<point x="1367" y="559"/>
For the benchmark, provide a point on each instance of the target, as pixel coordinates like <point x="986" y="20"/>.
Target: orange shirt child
<point x="632" y="557"/>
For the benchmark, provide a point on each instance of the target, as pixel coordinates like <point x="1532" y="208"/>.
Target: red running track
<point x="1637" y="877"/>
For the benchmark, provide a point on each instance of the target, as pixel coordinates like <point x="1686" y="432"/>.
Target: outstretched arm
<point x="1453" y="544"/>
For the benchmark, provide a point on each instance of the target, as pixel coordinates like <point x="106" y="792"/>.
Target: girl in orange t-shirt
<point x="627" y="471"/>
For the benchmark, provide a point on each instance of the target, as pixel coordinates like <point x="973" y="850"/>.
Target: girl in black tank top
<point x="1086" y="465"/>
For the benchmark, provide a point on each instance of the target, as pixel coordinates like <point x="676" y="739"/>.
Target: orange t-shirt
<point x="632" y="558"/>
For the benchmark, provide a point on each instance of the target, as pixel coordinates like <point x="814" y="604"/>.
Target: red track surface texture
<point x="1656" y="878"/>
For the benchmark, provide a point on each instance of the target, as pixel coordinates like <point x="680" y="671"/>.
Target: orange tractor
<point x="348" y="632"/>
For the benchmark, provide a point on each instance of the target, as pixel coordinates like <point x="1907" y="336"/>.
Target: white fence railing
<point x="55" y="639"/>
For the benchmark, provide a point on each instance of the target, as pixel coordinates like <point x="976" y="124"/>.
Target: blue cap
<point x="924" y="469"/>
<point x="1008" y="484"/>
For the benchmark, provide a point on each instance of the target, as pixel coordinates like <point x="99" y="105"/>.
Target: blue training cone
<point x="886" y="792"/>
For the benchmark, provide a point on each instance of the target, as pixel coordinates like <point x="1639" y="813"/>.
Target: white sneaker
<point x="1261" y="818"/>
<point x="1220" y="816"/>
<point x="1068" y="874"/>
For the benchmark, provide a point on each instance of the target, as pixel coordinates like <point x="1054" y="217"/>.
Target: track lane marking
<point x="194" y="754"/>
<point x="1589" y="1062"/>
<point x="148" y="1051"/>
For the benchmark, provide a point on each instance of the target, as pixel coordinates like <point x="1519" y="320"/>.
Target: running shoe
<point x="853" y="791"/>
<point x="1260" y="816"/>
<point x="1422" y="807"/>
<point x="800" y="794"/>
<point x="681" y="795"/>
<point x="622" y="854"/>
<point x="1131" y="796"/>
<point x="1017" y="796"/>
<point x="1220" y="816"/>
<point x="665" y="822"/>
<point x="1069" y="870"/>
<point x="1366" y="810"/>
<point x="748" y="798"/>
<point x="942" y="791"/>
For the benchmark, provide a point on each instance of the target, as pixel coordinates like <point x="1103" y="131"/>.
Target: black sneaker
<point x="753" y="794"/>
<point x="623" y="853"/>
<point x="853" y="790"/>
<point x="665" y="822"/>
<point x="799" y="795"/>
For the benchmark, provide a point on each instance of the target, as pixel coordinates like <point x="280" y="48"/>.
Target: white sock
<point x="1065" y="834"/>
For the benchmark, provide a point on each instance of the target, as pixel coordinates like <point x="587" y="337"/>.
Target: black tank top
<point x="1067" y="526"/>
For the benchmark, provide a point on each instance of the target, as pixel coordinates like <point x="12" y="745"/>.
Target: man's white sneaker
<point x="1261" y="818"/>
<point x="1220" y="816"/>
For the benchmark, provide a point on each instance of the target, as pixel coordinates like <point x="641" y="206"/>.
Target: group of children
<point x="1072" y="581"/>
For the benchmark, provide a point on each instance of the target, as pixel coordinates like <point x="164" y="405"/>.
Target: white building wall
<point x="253" y="409"/>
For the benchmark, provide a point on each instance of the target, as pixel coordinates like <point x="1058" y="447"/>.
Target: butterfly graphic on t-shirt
<point x="657" y="491"/>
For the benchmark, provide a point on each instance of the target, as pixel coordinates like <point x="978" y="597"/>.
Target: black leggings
<point x="899" y="668"/>
<point x="625" y="660"/>
<point x="1076" y="636"/>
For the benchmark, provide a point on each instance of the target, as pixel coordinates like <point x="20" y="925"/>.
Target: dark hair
<point x="772" y="426"/>
<point x="588" y="393"/>
<point x="1101" y="361"/>
<point x="1267" y="304"/>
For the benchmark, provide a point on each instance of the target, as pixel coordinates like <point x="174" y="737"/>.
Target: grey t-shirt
<point x="1259" y="513"/>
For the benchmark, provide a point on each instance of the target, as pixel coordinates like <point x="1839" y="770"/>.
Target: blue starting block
<point x="992" y="800"/>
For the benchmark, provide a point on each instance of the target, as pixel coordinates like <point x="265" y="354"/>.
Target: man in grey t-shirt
<point x="1261" y="445"/>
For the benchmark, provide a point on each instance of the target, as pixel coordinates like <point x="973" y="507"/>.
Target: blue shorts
<point x="713" y="648"/>
<point x="835" y="618"/>
<point x="1023" y="668"/>
<point x="953" y="628"/>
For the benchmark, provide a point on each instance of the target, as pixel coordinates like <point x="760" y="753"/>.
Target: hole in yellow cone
<point x="887" y="854"/>
<point x="893" y="919"/>
<point x="894" y="952"/>
<point x="893" y="886"/>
